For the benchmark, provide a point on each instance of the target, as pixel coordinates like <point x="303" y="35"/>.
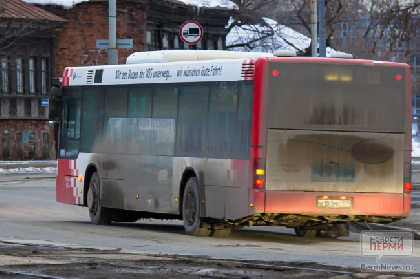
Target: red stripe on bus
<point x="259" y="103"/>
<point x="64" y="191"/>
<point x="363" y="203"/>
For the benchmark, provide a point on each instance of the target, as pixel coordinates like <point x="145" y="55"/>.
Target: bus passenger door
<point x="69" y="149"/>
<point x="70" y="128"/>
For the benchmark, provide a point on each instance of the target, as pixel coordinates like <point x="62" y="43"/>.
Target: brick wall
<point x="26" y="140"/>
<point x="87" y="22"/>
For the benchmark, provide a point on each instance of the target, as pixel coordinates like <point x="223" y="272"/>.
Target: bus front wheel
<point x="191" y="210"/>
<point x="98" y="214"/>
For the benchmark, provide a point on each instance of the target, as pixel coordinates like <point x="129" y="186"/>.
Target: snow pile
<point x="29" y="170"/>
<point x="28" y="167"/>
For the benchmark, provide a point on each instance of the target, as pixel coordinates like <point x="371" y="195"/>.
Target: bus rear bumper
<point x="374" y="204"/>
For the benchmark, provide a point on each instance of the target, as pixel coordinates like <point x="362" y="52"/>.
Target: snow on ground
<point x="29" y="170"/>
<point x="28" y="166"/>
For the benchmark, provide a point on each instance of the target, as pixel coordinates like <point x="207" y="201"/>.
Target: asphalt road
<point x="29" y="214"/>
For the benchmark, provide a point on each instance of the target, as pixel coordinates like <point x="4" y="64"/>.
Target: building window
<point x="6" y="144"/>
<point x="31" y="144"/>
<point x="165" y="41"/>
<point x="20" y="108"/>
<point x="44" y="75"/>
<point x="149" y="37"/>
<point x="34" y="107"/>
<point x="4" y="75"/>
<point x="219" y="43"/>
<point x="4" y="107"/>
<point x="151" y="40"/>
<point x="176" y="42"/>
<point x="19" y="76"/>
<point x="215" y="42"/>
<point x="32" y="75"/>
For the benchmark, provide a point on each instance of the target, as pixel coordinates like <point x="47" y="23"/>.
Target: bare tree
<point x="367" y="29"/>
<point x="254" y="30"/>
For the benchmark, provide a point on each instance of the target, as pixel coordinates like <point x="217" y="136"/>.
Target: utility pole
<point x="112" y="49"/>
<point x="322" y="35"/>
<point x="314" y="28"/>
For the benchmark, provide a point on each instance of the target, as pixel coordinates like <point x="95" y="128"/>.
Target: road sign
<point x="191" y="32"/>
<point x="121" y="43"/>
<point x="45" y="102"/>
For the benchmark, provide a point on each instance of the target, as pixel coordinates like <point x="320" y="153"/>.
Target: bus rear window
<point x="336" y="97"/>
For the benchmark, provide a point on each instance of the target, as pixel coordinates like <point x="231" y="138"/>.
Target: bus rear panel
<point x="337" y="146"/>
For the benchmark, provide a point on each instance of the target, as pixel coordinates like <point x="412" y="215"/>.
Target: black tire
<point x="191" y="210"/>
<point x="98" y="214"/>
<point x="307" y="233"/>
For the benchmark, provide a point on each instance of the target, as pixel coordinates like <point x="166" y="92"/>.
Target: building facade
<point x="32" y="62"/>
<point x="27" y="39"/>
<point x="151" y="24"/>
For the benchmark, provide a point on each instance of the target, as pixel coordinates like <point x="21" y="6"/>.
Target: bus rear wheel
<point x="304" y="232"/>
<point x="98" y="214"/>
<point x="193" y="224"/>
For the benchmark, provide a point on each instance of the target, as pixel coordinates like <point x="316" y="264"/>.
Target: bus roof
<point x="174" y="66"/>
<point x="162" y="56"/>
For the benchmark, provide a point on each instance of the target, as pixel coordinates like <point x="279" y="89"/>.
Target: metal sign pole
<point x="322" y="35"/>
<point x="314" y="21"/>
<point x="112" y="49"/>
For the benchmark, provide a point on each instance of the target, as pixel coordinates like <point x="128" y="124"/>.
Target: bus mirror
<point x="55" y="104"/>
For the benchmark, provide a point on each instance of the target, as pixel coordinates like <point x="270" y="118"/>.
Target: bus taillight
<point x="259" y="183"/>
<point x="407" y="178"/>
<point x="259" y="173"/>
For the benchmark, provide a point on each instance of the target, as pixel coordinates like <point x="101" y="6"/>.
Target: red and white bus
<point x="223" y="140"/>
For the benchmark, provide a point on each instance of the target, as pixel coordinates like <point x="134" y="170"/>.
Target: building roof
<point x="215" y="4"/>
<point x="18" y="9"/>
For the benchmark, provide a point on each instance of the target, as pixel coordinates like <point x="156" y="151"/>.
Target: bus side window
<point x="244" y="123"/>
<point x="140" y="102"/>
<point x="222" y="120"/>
<point x="165" y="106"/>
<point x="92" y="115"/>
<point x="192" y="121"/>
<point x="139" y="120"/>
<point x="115" y="115"/>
